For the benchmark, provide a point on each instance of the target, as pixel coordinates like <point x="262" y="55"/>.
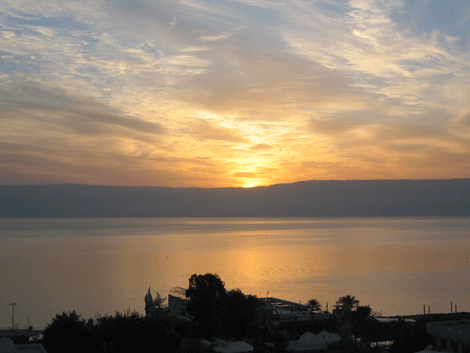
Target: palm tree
<point x="348" y="300"/>
<point x="314" y="304"/>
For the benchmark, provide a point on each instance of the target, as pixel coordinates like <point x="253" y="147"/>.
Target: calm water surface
<point x="98" y="266"/>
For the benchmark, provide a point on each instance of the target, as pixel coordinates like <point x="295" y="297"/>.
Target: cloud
<point x="368" y="45"/>
<point x="206" y="130"/>
<point x="213" y="38"/>
<point x="389" y="149"/>
<point x="64" y="110"/>
<point x="460" y="126"/>
<point x="261" y="147"/>
<point x="189" y="93"/>
<point x="96" y="119"/>
<point x="244" y="175"/>
<point x="266" y="84"/>
<point x="335" y="127"/>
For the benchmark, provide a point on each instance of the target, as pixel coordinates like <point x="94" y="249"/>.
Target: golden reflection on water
<point x="394" y="274"/>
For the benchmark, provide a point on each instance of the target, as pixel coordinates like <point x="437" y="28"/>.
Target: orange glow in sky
<point x="236" y="94"/>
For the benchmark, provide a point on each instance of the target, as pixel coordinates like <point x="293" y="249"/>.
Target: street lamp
<point x="13" y="315"/>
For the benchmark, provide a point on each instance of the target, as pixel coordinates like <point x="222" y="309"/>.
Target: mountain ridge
<point x="311" y="198"/>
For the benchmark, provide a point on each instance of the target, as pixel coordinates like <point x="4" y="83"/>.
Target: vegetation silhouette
<point x="409" y="338"/>
<point x="229" y="315"/>
<point x="123" y="332"/>
<point x="239" y="315"/>
<point x="68" y="332"/>
<point x="217" y="312"/>
<point x="314" y="304"/>
<point x="205" y="296"/>
<point x="349" y="300"/>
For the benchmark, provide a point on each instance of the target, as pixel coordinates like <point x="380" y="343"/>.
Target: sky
<point x="242" y="93"/>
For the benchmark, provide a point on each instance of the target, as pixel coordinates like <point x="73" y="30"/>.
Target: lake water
<point x="98" y="266"/>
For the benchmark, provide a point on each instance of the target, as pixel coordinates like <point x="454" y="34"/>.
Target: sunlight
<point x="252" y="183"/>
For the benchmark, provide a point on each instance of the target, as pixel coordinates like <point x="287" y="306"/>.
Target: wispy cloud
<point x="239" y="93"/>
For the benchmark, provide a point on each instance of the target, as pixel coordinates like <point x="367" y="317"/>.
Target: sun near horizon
<point x="239" y="94"/>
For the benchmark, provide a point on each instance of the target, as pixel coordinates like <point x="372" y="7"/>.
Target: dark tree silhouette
<point x="348" y="300"/>
<point x="68" y="332"/>
<point x="206" y="293"/>
<point x="217" y="312"/>
<point x="409" y="338"/>
<point x="205" y="284"/>
<point x="240" y="312"/>
<point x="131" y="332"/>
<point x="314" y="304"/>
<point x="124" y="332"/>
<point x="359" y="320"/>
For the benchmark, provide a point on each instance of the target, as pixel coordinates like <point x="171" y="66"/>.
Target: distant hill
<point x="352" y="198"/>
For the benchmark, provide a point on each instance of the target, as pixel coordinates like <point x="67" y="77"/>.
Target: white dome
<point x="7" y="345"/>
<point x="234" y="347"/>
<point x="305" y="337"/>
<point x="310" y="339"/>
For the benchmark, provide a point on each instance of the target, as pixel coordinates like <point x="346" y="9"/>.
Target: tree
<point x="205" y="295"/>
<point x="217" y="312"/>
<point x="239" y="314"/>
<point x="68" y="332"/>
<point x="409" y="338"/>
<point x="124" y="332"/>
<point x="348" y="300"/>
<point x="314" y="304"/>
<point x="131" y="332"/>
<point x="363" y="312"/>
<point x="205" y="284"/>
<point x="359" y="318"/>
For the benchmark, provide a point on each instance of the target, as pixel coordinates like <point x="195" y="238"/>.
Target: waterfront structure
<point x="295" y="318"/>
<point x="152" y="306"/>
<point x="232" y="347"/>
<point x="177" y="301"/>
<point x="7" y="346"/>
<point x="273" y="314"/>
<point x="450" y="336"/>
<point x="311" y="342"/>
<point x="383" y="320"/>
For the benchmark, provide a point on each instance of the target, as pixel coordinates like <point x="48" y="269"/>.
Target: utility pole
<point x="13" y="315"/>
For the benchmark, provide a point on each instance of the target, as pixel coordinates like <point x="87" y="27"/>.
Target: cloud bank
<point x="237" y="93"/>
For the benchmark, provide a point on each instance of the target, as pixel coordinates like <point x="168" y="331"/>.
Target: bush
<point x="68" y="332"/>
<point x="124" y="332"/>
<point x="239" y="314"/>
<point x="206" y="293"/>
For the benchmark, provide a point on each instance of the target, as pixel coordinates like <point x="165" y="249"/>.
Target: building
<point x="177" y="301"/>
<point x="450" y="336"/>
<point x="295" y="318"/>
<point x="7" y="346"/>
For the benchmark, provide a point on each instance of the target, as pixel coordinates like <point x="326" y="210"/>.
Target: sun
<point x="252" y="183"/>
